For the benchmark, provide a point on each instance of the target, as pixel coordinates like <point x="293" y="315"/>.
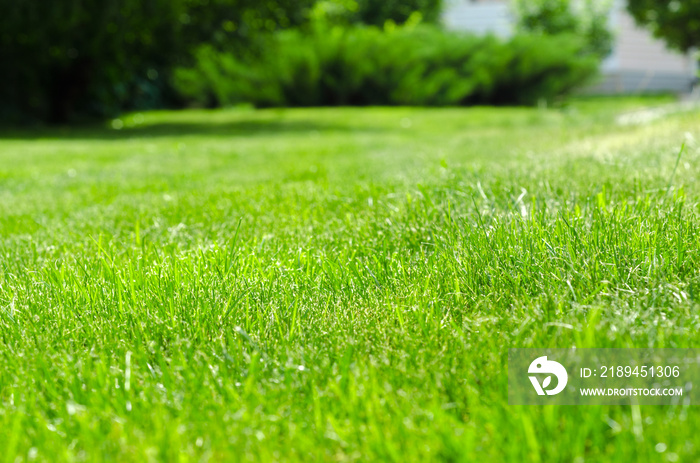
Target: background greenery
<point x="69" y="61"/>
<point x="677" y="22"/>
<point x="588" y="19"/>
<point x="419" y="66"/>
<point x="376" y="12"/>
<point x="341" y="284"/>
<point x="65" y="59"/>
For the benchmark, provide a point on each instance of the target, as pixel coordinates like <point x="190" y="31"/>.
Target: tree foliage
<point x="63" y="58"/>
<point x="377" y="12"/>
<point x="676" y="21"/>
<point x="587" y="18"/>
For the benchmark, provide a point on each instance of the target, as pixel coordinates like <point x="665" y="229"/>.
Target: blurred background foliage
<point x="375" y="12"/>
<point x="586" y="18"/>
<point x="66" y="61"/>
<point x="419" y="65"/>
<point x="675" y="21"/>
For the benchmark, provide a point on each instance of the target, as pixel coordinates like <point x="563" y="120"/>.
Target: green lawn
<point x="340" y="284"/>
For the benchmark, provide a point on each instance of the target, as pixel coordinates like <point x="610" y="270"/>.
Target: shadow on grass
<point x="242" y="128"/>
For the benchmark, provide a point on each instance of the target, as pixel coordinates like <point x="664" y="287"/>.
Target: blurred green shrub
<point x="63" y="59"/>
<point x="589" y="19"/>
<point x="420" y="65"/>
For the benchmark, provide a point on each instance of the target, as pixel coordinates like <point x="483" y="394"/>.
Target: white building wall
<point x="638" y="50"/>
<point x="481" y="17"/>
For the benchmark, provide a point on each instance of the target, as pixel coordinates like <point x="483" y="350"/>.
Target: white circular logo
<point x="549" y="367"/>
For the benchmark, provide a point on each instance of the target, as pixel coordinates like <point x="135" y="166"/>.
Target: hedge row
<point x="406" y="66"/>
